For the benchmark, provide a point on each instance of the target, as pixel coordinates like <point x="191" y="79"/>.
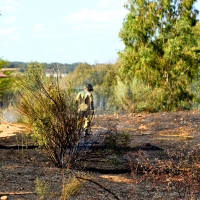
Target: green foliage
<point x="7" y="85"/>
<point x="197" y="30"/>
<point x="102" y="76"/>
<point x="117" y="140"/>
<point x="125" y="97"/>
<point x="104" y="87"/>
<point x="110" y="80"/>
<point x="111" y="142"/>
<point x="135" y="96"/>
<point x="81" y="75"/>
<point x="3" y="63"/>
<point x="100" y="73"/>
<point x="159" y="38"/>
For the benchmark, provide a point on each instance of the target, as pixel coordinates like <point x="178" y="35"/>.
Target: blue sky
<point x="64" y="31"/>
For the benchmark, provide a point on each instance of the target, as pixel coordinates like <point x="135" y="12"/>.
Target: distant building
<point x="53" y="73"/>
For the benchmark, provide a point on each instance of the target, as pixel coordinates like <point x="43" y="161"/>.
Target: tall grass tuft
<point x="72" y="187"/>
<point x="42" y="188"/>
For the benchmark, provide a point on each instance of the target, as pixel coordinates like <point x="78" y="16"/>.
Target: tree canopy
<point x="160" y="39"/>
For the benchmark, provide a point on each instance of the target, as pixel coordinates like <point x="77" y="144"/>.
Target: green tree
<point x="82" y="74"/>
<point x="6" y="85"/>
<point x="197" y="32"/>
<point x="159" y="40"/>
<point x="108" y="87"/>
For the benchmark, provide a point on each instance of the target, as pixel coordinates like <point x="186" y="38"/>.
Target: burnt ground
<point x="153" y="134"/>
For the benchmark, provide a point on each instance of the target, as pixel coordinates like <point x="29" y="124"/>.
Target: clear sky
<point x="64" y="31"/>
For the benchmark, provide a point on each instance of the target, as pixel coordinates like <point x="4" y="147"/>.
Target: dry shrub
<point x="177" y="177"/>
<point x="73" y="186"/>
<point x="52" y="112"/>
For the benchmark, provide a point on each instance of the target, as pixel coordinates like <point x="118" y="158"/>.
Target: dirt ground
<point x="152" y="133"/>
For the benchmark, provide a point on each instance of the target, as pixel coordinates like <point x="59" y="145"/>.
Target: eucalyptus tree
<point x="160" y="39"/>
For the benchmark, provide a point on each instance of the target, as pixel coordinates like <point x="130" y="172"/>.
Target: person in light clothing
<point x="85" y="107"/>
